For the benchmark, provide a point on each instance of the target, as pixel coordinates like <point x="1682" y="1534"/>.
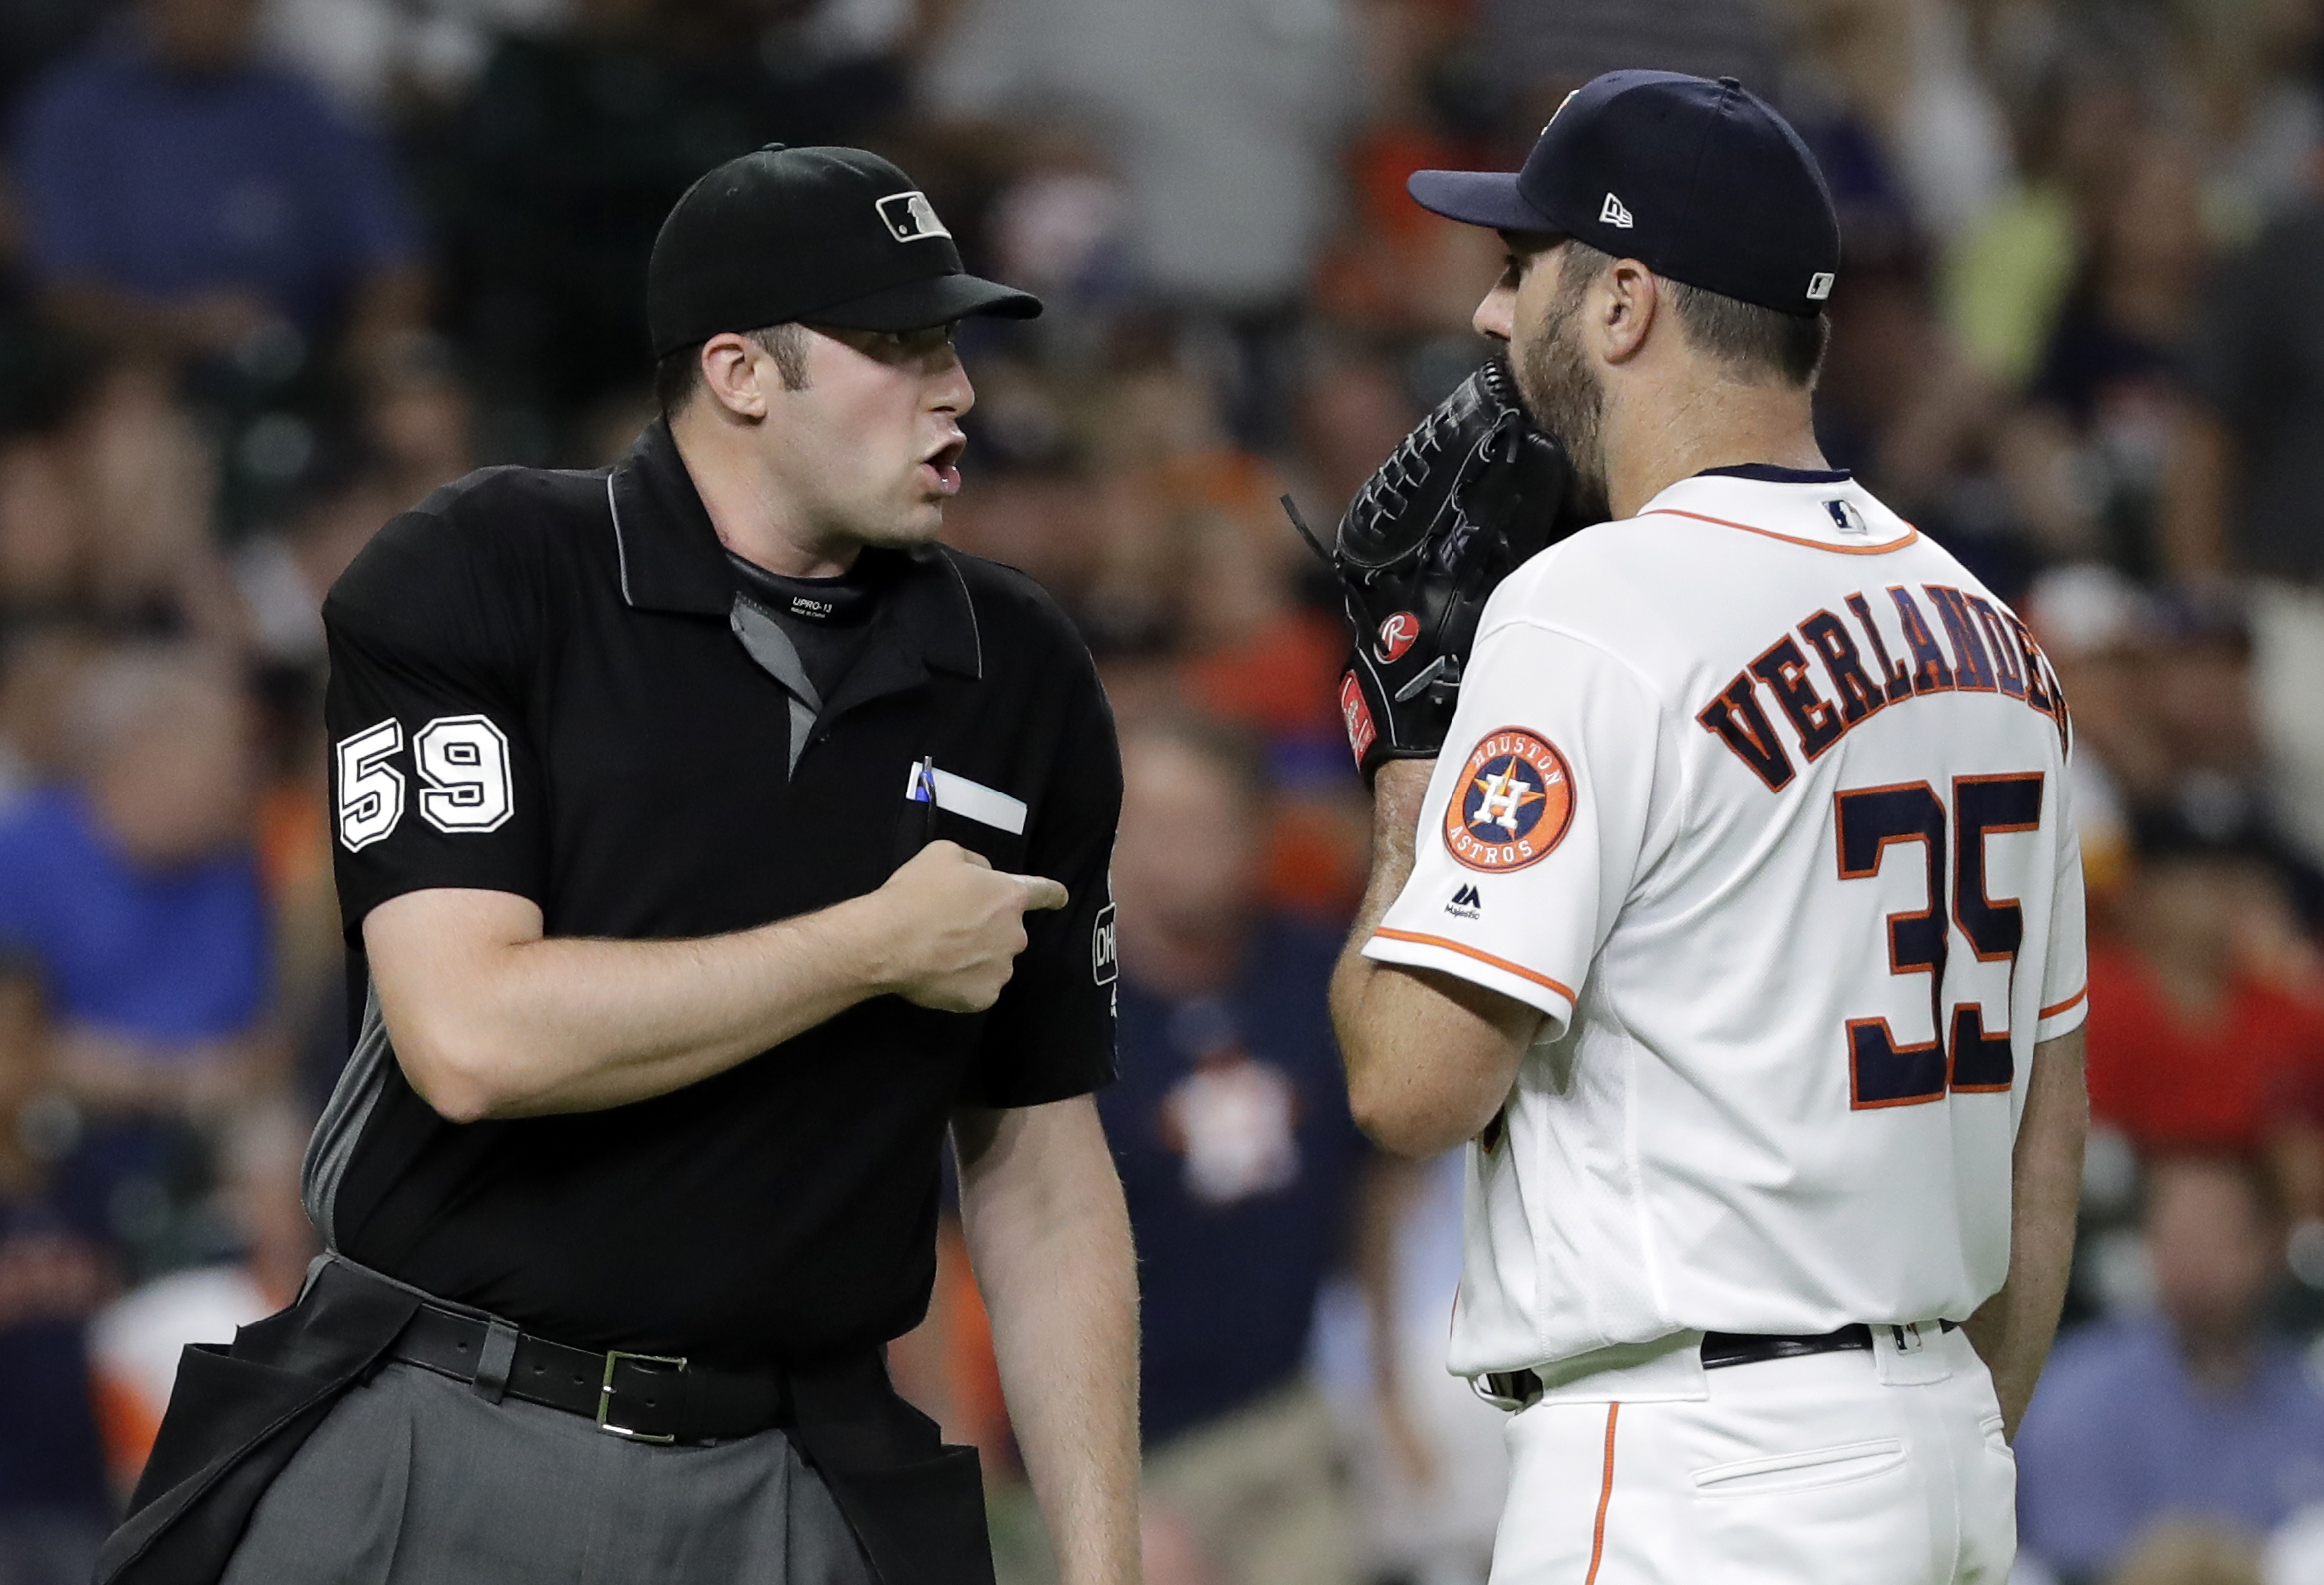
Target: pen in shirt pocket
<point x="927" y="792"/>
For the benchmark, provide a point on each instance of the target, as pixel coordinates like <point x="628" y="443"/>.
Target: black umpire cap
<point x="1699" y="181"/>
<point x="822" y="235"/>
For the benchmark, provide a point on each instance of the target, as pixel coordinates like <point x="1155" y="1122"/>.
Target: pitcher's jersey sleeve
<point x="1538" y="822"/>
<point x="2066" y="972"/>
<point x="435" y="777"/>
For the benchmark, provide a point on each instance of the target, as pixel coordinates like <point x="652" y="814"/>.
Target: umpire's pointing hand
<point x="956" y="925"/>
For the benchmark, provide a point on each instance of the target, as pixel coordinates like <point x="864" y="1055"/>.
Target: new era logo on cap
<point x="1613" y="211"/>
<point x="911" y="217"/>
<point x="1820" y="286"/>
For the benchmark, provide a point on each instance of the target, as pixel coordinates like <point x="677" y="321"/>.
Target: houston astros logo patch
<point x="1513" y="803"/>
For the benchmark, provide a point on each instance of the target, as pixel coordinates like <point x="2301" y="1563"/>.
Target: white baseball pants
<point x="1846" y="1468"/>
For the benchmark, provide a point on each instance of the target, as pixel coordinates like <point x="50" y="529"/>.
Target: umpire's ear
<point x="738" y="374"/>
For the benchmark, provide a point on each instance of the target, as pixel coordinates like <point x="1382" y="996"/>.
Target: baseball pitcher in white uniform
<point x="1736" y="925"/>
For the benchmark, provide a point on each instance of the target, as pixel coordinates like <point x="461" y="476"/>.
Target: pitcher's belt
<point x="1721" y="1349"/>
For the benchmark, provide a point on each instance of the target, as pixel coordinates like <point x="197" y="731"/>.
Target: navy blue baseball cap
<point x="1699" y="181"/>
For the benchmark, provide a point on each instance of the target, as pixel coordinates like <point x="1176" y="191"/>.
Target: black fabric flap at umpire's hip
<point x="236" y="1415"/>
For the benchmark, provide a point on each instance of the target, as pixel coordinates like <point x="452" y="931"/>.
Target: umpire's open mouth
<point x="943" y="464"/>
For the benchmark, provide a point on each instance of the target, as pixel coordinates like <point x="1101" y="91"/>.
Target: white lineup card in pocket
<point x="958" y="794"/>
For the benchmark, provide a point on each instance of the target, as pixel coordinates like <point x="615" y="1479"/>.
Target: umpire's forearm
<point x="491" y="1020"/>
<point x="1049" y="1237"/>
<point x="2013" y="1330"/>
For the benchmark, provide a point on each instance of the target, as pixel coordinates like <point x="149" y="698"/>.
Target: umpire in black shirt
<point x="709" y="841"/>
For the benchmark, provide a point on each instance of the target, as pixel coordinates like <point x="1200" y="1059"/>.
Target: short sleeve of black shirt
<point x="435" y="777"/>
<point x="1051" y="1034"/>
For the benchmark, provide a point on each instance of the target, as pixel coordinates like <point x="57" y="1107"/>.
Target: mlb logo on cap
<point x="911" y="217"/>
<point x="785" y="236"/>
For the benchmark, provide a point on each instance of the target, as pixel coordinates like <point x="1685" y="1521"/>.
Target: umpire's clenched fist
<point x="955" y="926"/>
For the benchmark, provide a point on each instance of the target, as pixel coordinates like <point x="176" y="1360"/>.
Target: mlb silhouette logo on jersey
<point x="1397" y="635"/>
<point x="1513" y="803"/>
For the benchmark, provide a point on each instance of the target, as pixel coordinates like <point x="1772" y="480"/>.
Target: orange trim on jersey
<point x="1597" y="1543"/>
<point x="2067" y="1005"/>
<point x="1502" y="963"/>
<point x="1793" y="539"/>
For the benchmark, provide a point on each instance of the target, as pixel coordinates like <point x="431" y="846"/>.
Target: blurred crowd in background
<point x="272" y="270"/>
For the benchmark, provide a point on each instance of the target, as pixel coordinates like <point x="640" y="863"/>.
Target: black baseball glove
<point x="1473" y="491"/>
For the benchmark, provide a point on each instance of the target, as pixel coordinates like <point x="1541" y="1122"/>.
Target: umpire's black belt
<point x="643" y="1398"/>
<point x="1720" y="1351"/>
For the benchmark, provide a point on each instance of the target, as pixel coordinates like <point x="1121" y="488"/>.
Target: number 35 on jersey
<point x="462" y="762"/>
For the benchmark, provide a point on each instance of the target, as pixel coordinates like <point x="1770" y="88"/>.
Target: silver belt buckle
<point x="613" y="1358"/>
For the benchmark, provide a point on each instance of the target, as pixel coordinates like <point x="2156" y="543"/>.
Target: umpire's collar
<point x="670" y="559"/>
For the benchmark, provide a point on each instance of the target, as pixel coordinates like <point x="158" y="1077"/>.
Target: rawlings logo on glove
<point x="1396" y="636"/>
<point x="1356" y="715"/>
<point x="1473" y="491"/>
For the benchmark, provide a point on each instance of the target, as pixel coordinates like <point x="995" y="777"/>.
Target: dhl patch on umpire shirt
<point x="535" y="689"/>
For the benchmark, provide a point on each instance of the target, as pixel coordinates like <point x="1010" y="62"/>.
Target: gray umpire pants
<point x="413" y="1478"/>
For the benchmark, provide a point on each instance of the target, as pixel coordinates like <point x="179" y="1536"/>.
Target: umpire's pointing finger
<point x="1042" y="892"/>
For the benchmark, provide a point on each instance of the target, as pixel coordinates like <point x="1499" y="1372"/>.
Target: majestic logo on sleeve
<point x="1512" y="804"/>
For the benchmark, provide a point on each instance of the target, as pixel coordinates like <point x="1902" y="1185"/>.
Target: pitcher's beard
<point x="1564" y="396"/>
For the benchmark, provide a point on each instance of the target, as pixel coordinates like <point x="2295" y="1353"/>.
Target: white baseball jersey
<point x="1761" y="797"/>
